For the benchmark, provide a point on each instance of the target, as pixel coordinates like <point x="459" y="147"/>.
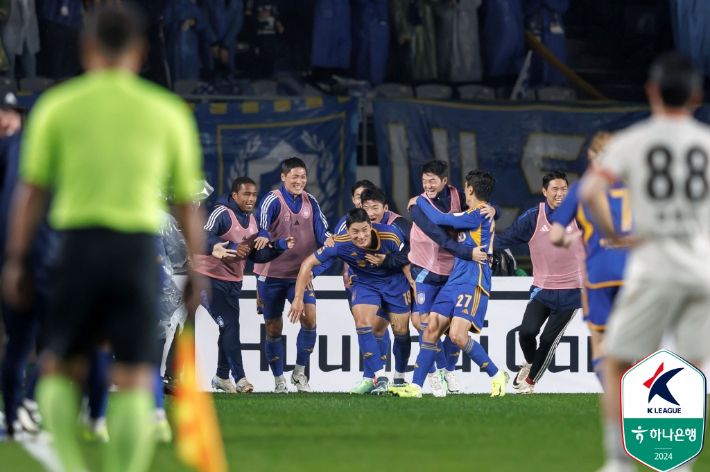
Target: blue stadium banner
<point x="253" y="138"/>
<point x="517" y="143"/>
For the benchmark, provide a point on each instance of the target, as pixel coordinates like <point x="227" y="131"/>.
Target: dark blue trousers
<point x="224" y="309"/>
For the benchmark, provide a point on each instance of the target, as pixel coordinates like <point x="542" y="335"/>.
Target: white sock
<point x="449" y="371"/>
<point x="398" y="375"/>
<point x="613" y="444"/>
<point x="380" y="373"/>
<point x="498" y="375"/>
<point x="299" y="369"/>
<point x="280" y="378"/>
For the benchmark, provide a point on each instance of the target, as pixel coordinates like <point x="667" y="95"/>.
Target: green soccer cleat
<point x="95" y="430"/>
<point x="498" y="384"/>
<point x="364" y="386"/>
<point x="412" y="390"/>
<point x="396" y="387"/>
<point x="163" y="432"/>
<point x="381" y="387"/>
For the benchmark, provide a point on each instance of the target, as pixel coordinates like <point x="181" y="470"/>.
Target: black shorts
<point x="105" y="287"/>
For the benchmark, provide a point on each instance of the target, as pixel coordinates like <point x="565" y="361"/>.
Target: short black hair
<point x="374" y="195"/>
<point x="361" y="184"/>
<point x="292" y="163"/>
<point x="356" y="215"/>
<point x="239" y="181"/>
<point x="482" y="183"/>
<point x="438" y="168"/>
<point x="677" y="78"/>
<point x="115" y="29"/>
<point x="554" y="175"/>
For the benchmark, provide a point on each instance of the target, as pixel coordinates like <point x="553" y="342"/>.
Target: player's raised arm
<point x="266" y="213"/>
<point x="457" y="221"/>
<point x="437" y="234"/>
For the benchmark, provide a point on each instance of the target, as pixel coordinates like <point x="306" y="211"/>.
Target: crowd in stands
<point x="405" y="41"/>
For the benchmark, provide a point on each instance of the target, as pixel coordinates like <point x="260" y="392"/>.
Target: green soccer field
<point x="338" y="432"/>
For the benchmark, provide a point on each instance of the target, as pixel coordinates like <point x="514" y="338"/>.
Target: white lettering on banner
<point x="335" y="364"/>
<point x="551" y="147"/>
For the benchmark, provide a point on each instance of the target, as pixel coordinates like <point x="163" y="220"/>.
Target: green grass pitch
<point x="338" y="432"/>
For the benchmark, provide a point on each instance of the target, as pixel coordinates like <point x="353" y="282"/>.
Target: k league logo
<point x="663" y="411"/>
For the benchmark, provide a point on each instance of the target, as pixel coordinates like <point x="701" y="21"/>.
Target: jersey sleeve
<point x="186" y="156"/>
<point x="320" y="223"/>
<point x="465" y="220"/>
<point x="341" y="228"/>
<point x="38" y="150"/>
<point x="218" y="223"/>
<point x="614" y="162"/>
<point x="518" y="233"/>
<point x="400" y="258"/>
<point x="439" y="236"/>
<point x="326" y="254"/>
<point x="269" y="209"/>
<point x="566" y="212"/>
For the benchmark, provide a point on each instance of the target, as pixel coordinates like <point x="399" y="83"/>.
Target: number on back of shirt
<point x="660" y="182"/>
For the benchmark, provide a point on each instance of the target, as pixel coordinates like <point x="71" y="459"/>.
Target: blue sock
<point x="369" y="349"/>
<point x="478" y="355"/>
<point x="402" y="350"/>
<point x="274" y="351"/>
<point x="425" y="360"/>
<point x="440" y="355"/>
<point x="453" y="352"/>
<point x="385" y="346"/>
<point x="599" y="369"/>
<point x="158" y="387"/>
<point x="367" y="372"/>
<point x="432" y="369"/>
<point x="305" y="342"/>
<point x="98" y="383"/>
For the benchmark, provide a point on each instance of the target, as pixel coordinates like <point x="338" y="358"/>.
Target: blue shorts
<point x="465" y="301"/>
<point x="597" y="304"/>
<point x="393" y="296"/>
<point x="426" y="294"/>
<point x="272" y="293"/>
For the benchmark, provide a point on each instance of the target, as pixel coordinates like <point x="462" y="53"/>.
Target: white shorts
<point x="645" y="311"/>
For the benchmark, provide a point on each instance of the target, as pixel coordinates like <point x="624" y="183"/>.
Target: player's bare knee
<point x="400" y="323"/>
<point x="274" y="327"/>
<point x="380" y="326"/>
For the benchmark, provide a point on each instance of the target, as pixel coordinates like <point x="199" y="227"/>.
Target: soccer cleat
<point x="498" y="384"/>
<point x="381" y="386"/>
<point x="300" y="381"/>
<point x="243" y="386"/>
<point x="412" y="390"/>
<point x="170" y="386"/>
<point x="437" y="389"/>
<point x="452" y="383"/>
<point x="225" y="385"/>
<point x="280" y="384"/>
<point x="442" y="379"/>
<point x="95" y="430"/>
<point x="527" y="388"/>
<point x="523" y="373"/>
<point x="163" y="432"/>
<point x="28" y="416"/>
<point x="618" y="466"/>
<point x="363" y="387"/>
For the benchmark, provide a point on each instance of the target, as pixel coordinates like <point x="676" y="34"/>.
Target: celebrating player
<point x="432" y="264"/>
<point x="557" y="280"/>
<point x="373" y="286"/>
<point x="664" y="162"/>
<point x="460" y="306"/>
<point x="289" y="211"/>
<point x="232" y="230"/>
<point x="604" y="265"/>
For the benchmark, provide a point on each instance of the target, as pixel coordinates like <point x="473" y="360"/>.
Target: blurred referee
<point x="103" y="145"/>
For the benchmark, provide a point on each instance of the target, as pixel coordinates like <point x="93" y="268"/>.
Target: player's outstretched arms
<point x="304" y="277"/>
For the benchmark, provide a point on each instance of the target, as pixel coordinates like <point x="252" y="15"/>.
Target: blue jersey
<point x="385" y="240"/>
<point x="604" y="263"/>
<point x="474" y="230"/>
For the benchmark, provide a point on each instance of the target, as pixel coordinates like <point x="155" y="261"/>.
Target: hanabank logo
<point x="658" y="387"/>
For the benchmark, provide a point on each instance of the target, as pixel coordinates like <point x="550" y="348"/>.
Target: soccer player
<point x="289" y="211"/>
<point x="664" y="162"/>
<point x="432" y="265"/>
<point x="232" y="230"/>
<point x="461" y="305"/>
<point x="604" y="264"/>
<point x="555" y="294"/>
<point x="103" y="144"/>
<point x="373" y="286"/>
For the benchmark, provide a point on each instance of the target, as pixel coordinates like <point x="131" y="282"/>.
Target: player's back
<point x="467" y="272"/>
<point x="664" y="161"/>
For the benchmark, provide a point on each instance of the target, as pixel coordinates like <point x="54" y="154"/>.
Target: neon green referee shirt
<point x="104" y="144"/>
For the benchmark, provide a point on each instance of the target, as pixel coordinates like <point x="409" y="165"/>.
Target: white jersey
<point x="665" y="162"/>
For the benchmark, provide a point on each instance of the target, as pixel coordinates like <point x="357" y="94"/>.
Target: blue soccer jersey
<point x="474" y="230"/>
<point x="604" y="262"/>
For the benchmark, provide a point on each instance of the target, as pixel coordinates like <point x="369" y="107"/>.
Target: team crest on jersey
<point x="421" y="297"/>
<point x="569" y="229"/>
<point x="306" y="212"/>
